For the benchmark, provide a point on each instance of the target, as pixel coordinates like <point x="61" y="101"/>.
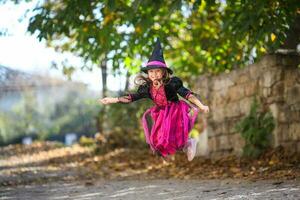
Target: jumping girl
<point x="167" y="124"/>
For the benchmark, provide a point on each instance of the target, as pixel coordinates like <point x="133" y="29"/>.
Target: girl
<point x="167" y="124"/>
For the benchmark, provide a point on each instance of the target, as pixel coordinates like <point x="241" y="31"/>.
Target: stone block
<point x="245" y="105"/>
<point x="224" y="95"/>
<point x="292" y="77"/>
<point x="294" y="116"/>
<point x="274" y="99"/>
<point x="268" y="61"/>
<point x="223" y="142"/>
<point x="236" y="93"/>
<point x="278" y="89"/>
<point x="217" y="131"/>
<point x="237" y="142"/>
<point x="242" y="78"/>
<point x="282" y="132"/>
<point x="294" y="131"/>
<point x="295" y="107"/>
<point x="232" y="123"/>
<point x="232" y="75"/>
<point x="292" y="95"/>
<point x="271" y="77"/>
<point x="202" y="147"/>
<point x="267" y="79"/>
<point x="255" y="71"/>
<point x="275" y="135"/>
<point x="212" y="144"/>
<point x="275" y="109"/>
<point x="215" y="105"/>
<point x="231" y="129"/>
<point x="298" y="146"/>
<point x="222" y="82"/>
<point x="290" y="146"/>
<point x="218" y="115"/>
<point x="266" y="92"/>
<point x="283" y="116"/>
<point x="232" y="110"/>
<point x="218" y="99"/>
<point x="227" y="125"/>
<point x="251" y="88"/>
<point x="219" y="128"/>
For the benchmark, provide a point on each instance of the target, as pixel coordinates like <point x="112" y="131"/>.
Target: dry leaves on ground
<point x="45" y="161"/>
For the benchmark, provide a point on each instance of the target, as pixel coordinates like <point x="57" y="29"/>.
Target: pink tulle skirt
<point x="167" y="127"/>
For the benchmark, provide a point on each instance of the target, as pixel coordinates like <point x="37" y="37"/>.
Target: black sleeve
<point x="181" y="90"/>
<point x="142" y="92"/>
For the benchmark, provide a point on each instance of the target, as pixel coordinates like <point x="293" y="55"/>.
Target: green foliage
<point x="125" y="125"/>
<point x="6" y="131"/>
<point x="87" y="142"/>
<point x="256" y="129"/>
<point x="73" y="114"/>
<point x="198" y="36"/>
<point x="25" y="119"/>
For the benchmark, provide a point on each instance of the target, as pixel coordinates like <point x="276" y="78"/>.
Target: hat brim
<point x="145" y="69"/>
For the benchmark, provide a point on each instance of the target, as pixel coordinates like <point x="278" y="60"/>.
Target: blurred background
<point x="58" y="57"/>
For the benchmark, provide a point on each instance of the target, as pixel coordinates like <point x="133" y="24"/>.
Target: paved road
<point x="156" y="189"/>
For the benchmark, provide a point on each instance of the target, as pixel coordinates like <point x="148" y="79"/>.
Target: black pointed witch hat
<point x="157" y="59"/>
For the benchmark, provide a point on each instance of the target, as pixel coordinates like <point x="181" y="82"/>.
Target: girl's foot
<point x="191" y="149"/>
<point x="169" y="158"/>
<point x="165" y="161"/>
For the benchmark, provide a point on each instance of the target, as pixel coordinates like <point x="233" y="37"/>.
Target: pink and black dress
<point x="167" y="124"/>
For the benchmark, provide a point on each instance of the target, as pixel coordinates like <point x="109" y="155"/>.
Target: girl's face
<point x="155" y="74"/>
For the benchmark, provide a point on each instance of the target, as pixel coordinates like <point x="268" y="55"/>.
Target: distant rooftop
<point x="11" y="79"/>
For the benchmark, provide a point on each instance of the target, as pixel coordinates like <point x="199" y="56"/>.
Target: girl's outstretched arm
<point x="110" y="100"/>
<point x="198" y="103"/>
<point x="188" y="94"/>
<point x="141" y="93"/>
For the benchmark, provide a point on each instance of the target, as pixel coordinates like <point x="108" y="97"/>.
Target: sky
<point x="22" y="51"/>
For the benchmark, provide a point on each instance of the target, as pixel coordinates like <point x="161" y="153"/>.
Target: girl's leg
<point x="191" y="149"/>
<point x="188" y="143"/>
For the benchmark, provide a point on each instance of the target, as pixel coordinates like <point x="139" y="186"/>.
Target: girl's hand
<point x="204" y="109"/>
<point x="108" y="100"/>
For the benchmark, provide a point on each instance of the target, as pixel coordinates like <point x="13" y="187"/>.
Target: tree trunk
<point x="103" y="67"/>
<point x="127" y="81"/>
<point x="102" y="113"/>
<point x="293" y="36"/>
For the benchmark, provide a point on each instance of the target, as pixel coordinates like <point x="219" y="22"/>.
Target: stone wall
<point x="275" y="80"/>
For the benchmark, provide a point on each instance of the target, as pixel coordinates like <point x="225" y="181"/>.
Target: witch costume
<point x="167" y="124"/>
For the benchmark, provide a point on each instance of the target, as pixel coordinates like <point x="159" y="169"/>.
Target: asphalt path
<point x="155" y="189"/>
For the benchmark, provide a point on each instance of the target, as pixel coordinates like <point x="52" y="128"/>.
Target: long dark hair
<point x="143" y="78"/>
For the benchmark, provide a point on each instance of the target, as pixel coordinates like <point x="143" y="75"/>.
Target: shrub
<point x="87" y="141"/>
<point x="256" y="129"/>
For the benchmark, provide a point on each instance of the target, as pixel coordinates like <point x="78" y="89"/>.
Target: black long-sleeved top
<point x="173" y="87"/>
